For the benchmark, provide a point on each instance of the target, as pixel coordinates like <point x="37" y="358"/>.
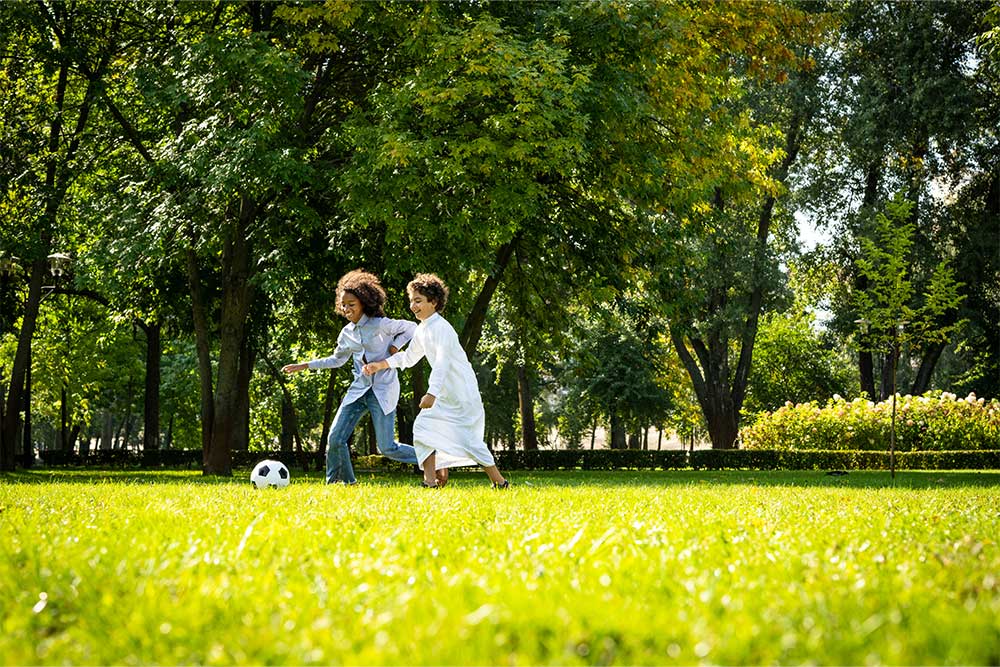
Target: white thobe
<point x="454" y="426"/>
<point x="367" y="341"/>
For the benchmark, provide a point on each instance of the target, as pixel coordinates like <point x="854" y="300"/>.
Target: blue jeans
<point x="338" y="457"/>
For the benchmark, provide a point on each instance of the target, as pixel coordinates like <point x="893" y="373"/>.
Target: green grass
<point x="567" y="568"/>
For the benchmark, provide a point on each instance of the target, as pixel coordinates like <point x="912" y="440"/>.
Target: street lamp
<point x="8" y="263"/>
<point x="59" y="264"/>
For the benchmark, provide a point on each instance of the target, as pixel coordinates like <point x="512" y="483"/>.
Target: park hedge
<point x="937" y="421"/>
<point x="601" y="459"/>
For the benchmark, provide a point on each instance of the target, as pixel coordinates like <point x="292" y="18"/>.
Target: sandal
<point x="501" y="487"/>
<point x="429" y="486"/>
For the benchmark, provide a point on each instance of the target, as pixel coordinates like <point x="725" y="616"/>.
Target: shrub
<point x="936" y="421"/>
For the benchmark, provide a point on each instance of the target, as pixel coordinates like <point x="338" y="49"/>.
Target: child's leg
<point x="338" y="457"/>
<point x="430" y="479"/>
<point x="385" y="432"/>
<point x="494" y="474"/>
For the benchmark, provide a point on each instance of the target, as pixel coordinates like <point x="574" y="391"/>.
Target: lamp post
<point x="897" y="330"/>
<point x="59" y="264"/>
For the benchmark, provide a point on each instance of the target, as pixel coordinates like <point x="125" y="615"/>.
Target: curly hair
<point x="366" y="288"/>
<point x="432" y="287"/>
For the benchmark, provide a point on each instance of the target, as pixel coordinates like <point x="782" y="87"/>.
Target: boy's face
<point x="420" y="306"/>
<point x="351" y="308"/>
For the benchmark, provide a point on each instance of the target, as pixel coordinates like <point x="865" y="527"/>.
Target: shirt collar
<point x="360" y="323"/>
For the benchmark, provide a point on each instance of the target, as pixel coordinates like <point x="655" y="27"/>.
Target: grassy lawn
<point x="566" y="568"/>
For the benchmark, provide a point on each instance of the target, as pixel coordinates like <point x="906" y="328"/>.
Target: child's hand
<point x="294" y="368"/>
<point x="374" y="367"/>
<point x="427" y="401"/>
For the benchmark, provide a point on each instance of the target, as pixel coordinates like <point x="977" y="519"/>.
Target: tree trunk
<point x="526" y="403"/>
<point x="473" y="328"/>
<point x="328" y="402"/>
<point x="889" y="362"/>
<point x="711" y="387"/>
<point x="866" y="364"/>
<point x="64" y="443"/>
<point x="866" y="370"/>
<point x="236" y="296"/>
<point x="56" y="184"/>
<point x="22" y="359"/>
<point x="370" y="436"/>
<point x="26" y="444"/>
<point x="242" y="426"/>
<point x="419" y="385"/>
<point x="929" y="360"/>
<point x="74" y="434"/>
<point x="127" y="416"/>
<point x="287" y="419"/>
<point x="107" y="431"/>
<point x="169" y="440"/>
<point x="203" y="347"/>
<point x="633" y="441"/>
<point x="617" y="430"/>
<point x="151" y="394"/>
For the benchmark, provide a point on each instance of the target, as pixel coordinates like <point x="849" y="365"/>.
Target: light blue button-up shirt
<point x="367" y="341"/>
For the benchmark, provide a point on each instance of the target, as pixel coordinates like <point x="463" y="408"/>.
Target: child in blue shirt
<point x="368" y="336"/>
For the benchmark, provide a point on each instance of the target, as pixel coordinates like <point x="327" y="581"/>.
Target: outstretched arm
<point x="335" y="360"/>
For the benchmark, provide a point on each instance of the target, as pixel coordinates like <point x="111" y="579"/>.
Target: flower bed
<point x="936" y="421"/>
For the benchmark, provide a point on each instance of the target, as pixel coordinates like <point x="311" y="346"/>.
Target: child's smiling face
<point x="420" y="306"/>
<point x="351" y="308"/>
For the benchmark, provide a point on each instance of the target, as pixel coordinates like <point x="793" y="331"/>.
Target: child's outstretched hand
<point x="374" y="367"/>
<point x="294" y="368"/>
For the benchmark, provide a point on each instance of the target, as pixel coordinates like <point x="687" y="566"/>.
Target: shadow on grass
<point x="867" y="479"/>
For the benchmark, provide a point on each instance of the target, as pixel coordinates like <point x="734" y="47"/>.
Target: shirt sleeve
<point x="401" y="331"/>
<point x="339" y="357"/>
<point x="446" y="341"/>
<point x="408" y="357"/>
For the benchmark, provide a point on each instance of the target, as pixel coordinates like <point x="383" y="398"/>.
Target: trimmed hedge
<point x="599" y="459"/>
<point x="170" y="458"/>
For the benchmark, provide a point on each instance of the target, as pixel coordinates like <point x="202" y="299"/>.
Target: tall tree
<point x="908" y="115"/>
<point x="54" y="62"/>
<point x="722" y="273"/>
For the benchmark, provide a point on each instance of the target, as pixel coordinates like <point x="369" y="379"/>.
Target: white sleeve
<point x="339" y="357"/>
<point x="408" y="357"/>
<point x="446" y="341"/>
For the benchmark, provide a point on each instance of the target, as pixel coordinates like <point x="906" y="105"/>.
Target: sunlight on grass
<point x="567" y="568"/>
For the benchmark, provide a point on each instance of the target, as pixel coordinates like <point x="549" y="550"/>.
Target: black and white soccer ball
<point x="271" y="474"/>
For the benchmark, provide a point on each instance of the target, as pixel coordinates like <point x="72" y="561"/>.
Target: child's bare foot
<point x="441" y="476"/>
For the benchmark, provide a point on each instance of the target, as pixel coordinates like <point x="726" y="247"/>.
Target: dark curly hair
<point x="432" y="287"/>
<point x="366" y="288"/>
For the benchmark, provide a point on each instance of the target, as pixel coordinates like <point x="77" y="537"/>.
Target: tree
<point x="56" y="58"/>
<point x="909" y="113"/>
<point x="794" y="362"/>
<point x="723" y="273"/>
<point x="888" y="318"/>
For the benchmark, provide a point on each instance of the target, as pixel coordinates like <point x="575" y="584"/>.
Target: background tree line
<point x="611" y="189"/>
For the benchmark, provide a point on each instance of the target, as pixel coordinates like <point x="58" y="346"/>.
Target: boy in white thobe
<point x="449" y="430"/>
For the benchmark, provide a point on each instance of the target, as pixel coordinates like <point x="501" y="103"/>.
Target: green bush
<point x="936" y="421"/>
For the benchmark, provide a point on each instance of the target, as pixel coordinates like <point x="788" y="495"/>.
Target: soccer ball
<point x="270" y="474"/>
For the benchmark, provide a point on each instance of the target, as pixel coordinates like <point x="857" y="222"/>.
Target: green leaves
<point x="889" y="314"/>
